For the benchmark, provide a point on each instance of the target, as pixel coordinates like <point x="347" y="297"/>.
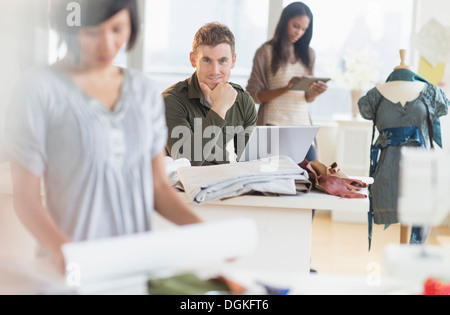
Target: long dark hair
<point x="280" y="40"/>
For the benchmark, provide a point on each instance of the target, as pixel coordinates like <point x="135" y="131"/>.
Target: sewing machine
<point x="424" y="200"/>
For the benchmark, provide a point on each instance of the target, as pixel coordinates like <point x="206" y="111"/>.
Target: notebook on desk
<point x="267" y="141"/>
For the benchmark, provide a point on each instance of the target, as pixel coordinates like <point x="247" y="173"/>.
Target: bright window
<point x="172" y="24"/>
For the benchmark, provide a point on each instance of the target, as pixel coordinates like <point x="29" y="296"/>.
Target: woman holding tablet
<point x="281" y="63"/>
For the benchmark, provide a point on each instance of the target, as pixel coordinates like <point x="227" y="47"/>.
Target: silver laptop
<point x="267" y="141"/>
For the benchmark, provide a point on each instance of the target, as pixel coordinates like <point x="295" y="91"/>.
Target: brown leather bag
<point x="332" y="180"/>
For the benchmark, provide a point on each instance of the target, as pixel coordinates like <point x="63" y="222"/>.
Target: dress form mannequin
<point x="403" y="111"/>
<point x="401" y="91"/>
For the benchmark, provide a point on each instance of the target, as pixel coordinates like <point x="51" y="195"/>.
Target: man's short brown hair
<point x="213" y="34"/>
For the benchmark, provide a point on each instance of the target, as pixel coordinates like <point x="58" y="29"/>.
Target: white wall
<point x="438" y="9"/>
<point x="275" y="10"/>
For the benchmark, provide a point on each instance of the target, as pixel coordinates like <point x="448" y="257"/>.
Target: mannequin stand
<point x="404" y="232"/>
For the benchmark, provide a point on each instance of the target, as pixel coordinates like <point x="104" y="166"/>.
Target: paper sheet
<point x="161" y="252"/>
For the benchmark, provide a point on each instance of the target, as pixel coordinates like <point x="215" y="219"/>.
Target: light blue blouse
<point x="96" y="163"/>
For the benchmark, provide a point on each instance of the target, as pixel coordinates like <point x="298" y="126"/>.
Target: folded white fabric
<point x="172" y="166"/>
<point x="276" y="175"/>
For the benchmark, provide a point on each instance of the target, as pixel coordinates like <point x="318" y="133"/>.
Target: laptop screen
<point x="267" y="141"/>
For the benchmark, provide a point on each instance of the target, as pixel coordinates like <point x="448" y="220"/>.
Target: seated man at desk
<point x="209" y="119"/>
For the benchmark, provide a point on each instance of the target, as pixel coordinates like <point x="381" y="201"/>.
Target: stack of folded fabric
<point x="276" y="175"/>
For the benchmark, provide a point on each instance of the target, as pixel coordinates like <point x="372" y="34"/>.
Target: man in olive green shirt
<point x="209" y="119"/>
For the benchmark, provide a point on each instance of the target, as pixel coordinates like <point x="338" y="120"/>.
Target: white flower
<point x="361" y="70"/>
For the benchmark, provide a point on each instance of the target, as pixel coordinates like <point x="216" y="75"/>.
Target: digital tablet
<point x="305" y="83"/>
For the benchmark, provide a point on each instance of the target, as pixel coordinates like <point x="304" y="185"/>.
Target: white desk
<point x="284" y="226"/>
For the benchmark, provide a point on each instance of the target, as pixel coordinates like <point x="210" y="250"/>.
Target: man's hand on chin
<point x="221" y="98"/>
